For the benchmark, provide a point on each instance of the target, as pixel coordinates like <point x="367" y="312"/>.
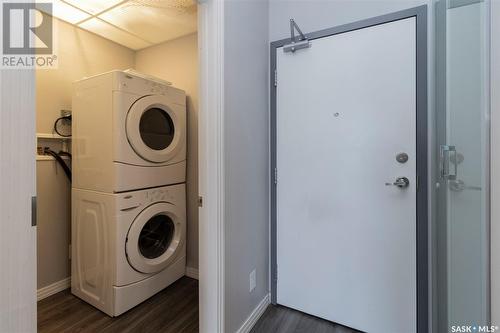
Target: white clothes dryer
<point x="127" y="247"/>
<point x="129" y="133"/>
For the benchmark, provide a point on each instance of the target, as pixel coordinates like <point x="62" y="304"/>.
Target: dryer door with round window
<point x="154" y="239"/>
<point x="154" y="128"/>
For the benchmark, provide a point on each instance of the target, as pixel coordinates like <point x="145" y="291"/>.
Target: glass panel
<point x="156" y="236"/>
<point x="157" y="129"/>
<point x="461" y="266"/>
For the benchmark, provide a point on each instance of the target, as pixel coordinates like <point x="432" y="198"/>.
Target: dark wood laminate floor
<point x="174" y="310"/>
<point x="279" y="319"/>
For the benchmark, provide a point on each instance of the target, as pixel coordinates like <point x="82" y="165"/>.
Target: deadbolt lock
<point x="402" y="157"/>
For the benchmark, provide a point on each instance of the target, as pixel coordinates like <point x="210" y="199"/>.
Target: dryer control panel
<point x="142" y="86"/>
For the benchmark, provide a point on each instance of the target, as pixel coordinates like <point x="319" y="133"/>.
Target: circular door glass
<point x="156" y="128"/>
<point x="156" y="236"/>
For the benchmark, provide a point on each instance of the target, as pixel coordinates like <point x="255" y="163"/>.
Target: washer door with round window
<point x="155" y="238"/>
<point x="155" y="129"/>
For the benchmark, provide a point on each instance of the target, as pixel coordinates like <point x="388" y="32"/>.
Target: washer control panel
<point x="140" y="199"/>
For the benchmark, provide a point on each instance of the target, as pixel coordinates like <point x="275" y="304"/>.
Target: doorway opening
<point x="118" y="238"/>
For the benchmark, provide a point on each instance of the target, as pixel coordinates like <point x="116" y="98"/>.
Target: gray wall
<point x="246" y="125"/>
<point x="247" y="157"/>
<point x="54" y="216"/>
<point x="312" y="15"/>
<point x="246" y="128"/>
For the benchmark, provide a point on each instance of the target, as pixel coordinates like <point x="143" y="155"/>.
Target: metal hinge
<point x="275" y="176"/>
<point x="33" y="211"/>
<point x="200" y="201"/>
<point x="275" y="78"/>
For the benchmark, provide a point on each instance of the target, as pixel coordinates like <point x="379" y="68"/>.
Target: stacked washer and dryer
<point x="128" y="196"/>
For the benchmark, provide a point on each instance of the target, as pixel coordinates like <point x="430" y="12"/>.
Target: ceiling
<point x="136" y="24"/>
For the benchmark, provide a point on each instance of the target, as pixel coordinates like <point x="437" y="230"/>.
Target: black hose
<point x="68" y="118"/>
<point x="65" y="153"/>
<point x="59" y="159"/>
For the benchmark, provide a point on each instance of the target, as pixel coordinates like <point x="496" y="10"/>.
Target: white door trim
<point x="17" y="187"/>
<point x="211" y="155"/>
<point x="211" y="165"/>
<point x="495" y="161"/>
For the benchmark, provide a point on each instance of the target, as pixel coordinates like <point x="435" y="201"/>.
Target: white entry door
<point x="346" y="164"/>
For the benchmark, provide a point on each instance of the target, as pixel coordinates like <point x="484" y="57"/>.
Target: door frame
<point x="440" y="249"/>
<point x="494" y="55"/>
<point x="422" y="224"/>
<point x="18" y="201"/>
<point x="211" y="158"/>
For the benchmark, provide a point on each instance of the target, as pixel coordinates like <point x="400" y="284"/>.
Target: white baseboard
<point x="53" y="288"/>
<point x="255" y="315"/>
<point x="192" y="272"/>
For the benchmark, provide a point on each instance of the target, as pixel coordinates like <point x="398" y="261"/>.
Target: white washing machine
<point x="127" y="247"/>
<point x="129" y="132"/>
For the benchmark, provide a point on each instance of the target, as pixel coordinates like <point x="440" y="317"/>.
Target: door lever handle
<point x="401" y="182"/>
